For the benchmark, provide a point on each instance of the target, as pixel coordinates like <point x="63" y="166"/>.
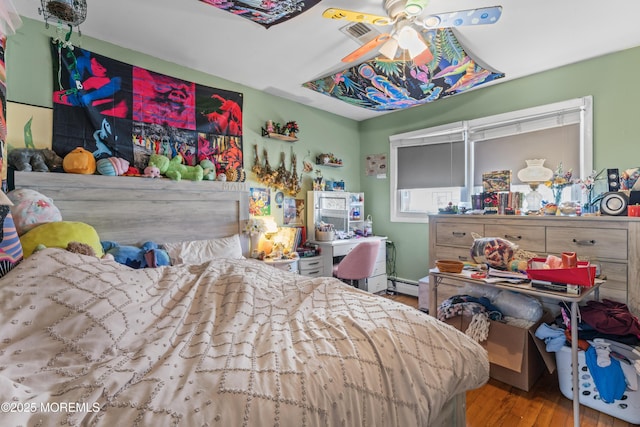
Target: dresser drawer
<point x="528" y="238"/>
<point x="457" y="234"/>
<point x="448" y="252"/>
<point x="588" y="242"/>
<point x="307" y="263"/>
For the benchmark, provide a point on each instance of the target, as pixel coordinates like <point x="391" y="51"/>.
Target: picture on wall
<point x="259" y="202"/>
<point x="293" y="211"/>
<point x="28" y="126"/>
<point x="114" y="109"/>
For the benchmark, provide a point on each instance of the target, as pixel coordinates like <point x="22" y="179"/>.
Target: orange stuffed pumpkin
<point x="79" y="161"/>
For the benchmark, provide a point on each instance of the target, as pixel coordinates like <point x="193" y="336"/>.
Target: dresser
<point x="610" y="241"/>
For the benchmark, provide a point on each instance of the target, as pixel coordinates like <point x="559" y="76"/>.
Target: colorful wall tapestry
<point x="264" y="12"/>
<point x="380" y="84"/>
<point x="113" y="109"/>
<point x="3" y="115"/>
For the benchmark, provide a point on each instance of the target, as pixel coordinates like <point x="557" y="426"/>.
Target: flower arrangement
<point x="587" y="186"/>
<point x="255" y="226"/>
<point x="559" y="181"/>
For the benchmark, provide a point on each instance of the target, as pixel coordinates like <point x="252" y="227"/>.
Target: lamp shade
<point x="535" y="171"/>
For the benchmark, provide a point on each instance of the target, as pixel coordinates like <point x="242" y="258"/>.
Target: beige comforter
<point x="226" y="343"/>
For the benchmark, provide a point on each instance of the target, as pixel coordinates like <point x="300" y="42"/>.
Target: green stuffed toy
<point x="209" y="170"/>
<point x="174" y="169"/>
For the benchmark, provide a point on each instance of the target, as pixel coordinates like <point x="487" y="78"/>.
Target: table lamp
<point x="534" y="174"/>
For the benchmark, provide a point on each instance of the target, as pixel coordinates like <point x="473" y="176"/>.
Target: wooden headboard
<point x="131" y="210"/>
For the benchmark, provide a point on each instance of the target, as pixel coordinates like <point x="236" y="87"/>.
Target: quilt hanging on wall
<point x="264" y="12"/>
<point x="380" y="84"/>
<point x="113" y="109"/>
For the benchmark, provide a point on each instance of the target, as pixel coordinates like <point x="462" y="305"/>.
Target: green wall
<point x="30" y="81"/>
<point x="610" y="79"/>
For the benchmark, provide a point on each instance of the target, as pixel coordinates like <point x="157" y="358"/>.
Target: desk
<point x="331" y="251"/>
<point x="436" y="277"/>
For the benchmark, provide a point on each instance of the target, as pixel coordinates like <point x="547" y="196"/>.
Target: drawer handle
<point x="462" y="258"/>
<point x="313" y="263"/>
<point x="309" y="273"/>
<point x="459" y="233"/>
<point x="584" y="242"/>
<point x="512" y="237"/>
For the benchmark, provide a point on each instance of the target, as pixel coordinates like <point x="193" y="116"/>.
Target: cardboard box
<point x="516" y="356"/>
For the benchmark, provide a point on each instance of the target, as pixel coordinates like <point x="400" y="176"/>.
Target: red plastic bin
<point x="583" y="275"/>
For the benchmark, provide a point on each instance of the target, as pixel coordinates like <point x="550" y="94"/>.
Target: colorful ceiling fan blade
<point x="481" y="16"/>
<point x="366" y="48"/>
<point x="349" y="15"/>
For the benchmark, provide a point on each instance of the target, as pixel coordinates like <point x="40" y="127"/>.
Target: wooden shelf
<point x="331" y="165"/>
<point x="278" y="136"/>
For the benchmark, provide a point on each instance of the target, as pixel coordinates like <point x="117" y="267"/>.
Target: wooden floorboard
<point x="497" y="404"/>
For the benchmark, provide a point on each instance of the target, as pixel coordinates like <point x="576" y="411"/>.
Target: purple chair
<point x="358" y="264"/>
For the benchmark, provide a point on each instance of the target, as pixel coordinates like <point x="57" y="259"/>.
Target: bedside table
<point x="284" y="264"/>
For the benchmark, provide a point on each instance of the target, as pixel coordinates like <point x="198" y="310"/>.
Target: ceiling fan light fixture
<point x="409" y="40"/>
<point x="431" y="21"/>
<point x="390" y="48"/>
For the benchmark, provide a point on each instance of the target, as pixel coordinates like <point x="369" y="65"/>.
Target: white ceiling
<point x="532" y="36"/>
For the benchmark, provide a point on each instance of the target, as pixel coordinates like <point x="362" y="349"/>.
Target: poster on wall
<point x="3" y="115"/>
<point x="114" y="109"/>
<point x="28" y="126"/>
<point x="264" y="12"/>
<point x="259" y="202"/>
<point x="293" y="211"/>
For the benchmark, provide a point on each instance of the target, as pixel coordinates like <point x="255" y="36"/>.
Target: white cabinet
<point x="344" y="210"/>
<point x="311" y="266"/>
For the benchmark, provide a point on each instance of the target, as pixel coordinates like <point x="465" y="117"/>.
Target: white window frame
<point x="582" y="105"/>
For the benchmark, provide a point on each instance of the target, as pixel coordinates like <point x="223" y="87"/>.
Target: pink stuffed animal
<point x="152" y="172"/>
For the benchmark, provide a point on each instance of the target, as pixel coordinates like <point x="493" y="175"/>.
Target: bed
<point x="222" y="342"/>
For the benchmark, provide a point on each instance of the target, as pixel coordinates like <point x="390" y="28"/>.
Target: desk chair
<point x="357" y="264"/>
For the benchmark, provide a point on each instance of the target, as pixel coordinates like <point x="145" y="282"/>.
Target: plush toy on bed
<point x="148" y="255"/>
<point x="174" y="169"/>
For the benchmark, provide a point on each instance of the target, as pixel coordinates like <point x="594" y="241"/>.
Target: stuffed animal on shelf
<point x="112" y="166"/>
<point x="174" y="169"/>
<point x="34" y="159"/>
<point x="148" y="255"/>
<point x="151" y="172"/>
<point x="208" y="170"/>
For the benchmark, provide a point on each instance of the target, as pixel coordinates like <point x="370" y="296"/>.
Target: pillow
<point x="199" y="251"/>
<point x="59" y="234"/>
<point x="10" y="247"/>
<point x="31" y="208"/>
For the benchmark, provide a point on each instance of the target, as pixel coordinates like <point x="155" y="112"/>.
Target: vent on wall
<point x="362" y="33"/>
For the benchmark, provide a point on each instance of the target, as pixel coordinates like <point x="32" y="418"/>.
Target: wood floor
<point x="499" y="405"/>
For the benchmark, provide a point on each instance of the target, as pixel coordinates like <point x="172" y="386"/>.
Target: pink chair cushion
<point x="359" y="263"/>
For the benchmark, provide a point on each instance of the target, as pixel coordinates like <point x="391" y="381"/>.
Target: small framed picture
<point x="496" y="181"/>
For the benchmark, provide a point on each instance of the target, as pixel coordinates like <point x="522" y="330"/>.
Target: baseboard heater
<point x="398" y="285"/>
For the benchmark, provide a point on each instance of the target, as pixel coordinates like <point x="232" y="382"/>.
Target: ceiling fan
<point x="407" y="20"/>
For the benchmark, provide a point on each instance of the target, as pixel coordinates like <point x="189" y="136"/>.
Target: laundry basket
<point x="627" y="408"/>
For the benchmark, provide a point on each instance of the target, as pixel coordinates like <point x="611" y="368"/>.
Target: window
<point x="430" y="171"/>
<point x="435" y="166"/>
